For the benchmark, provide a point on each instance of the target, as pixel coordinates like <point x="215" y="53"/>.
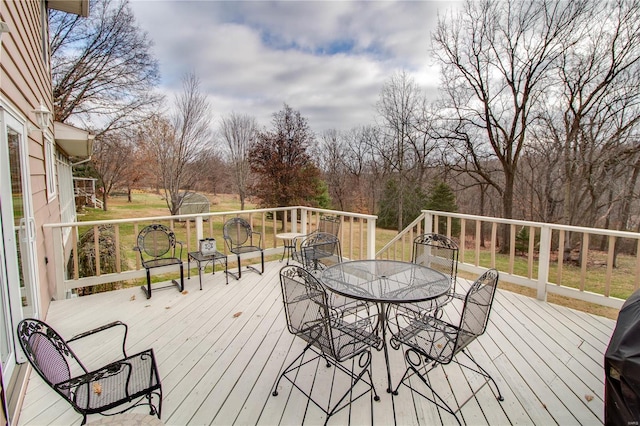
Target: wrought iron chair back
<point x="318" y="250"/>
<point x="437" y="252"/>
<point x="440" y="253"/>
<point x="240" y="238"/>
<point x="237" y="231"/>
<point x="328" y="335"/>
<point x="157" y="241"/>
<point x="132" y="380"/>
<point x="329" y="224"/>
<point x="158" y="247"/>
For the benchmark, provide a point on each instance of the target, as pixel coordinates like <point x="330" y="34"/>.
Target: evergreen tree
<point x="414" y="201"/>
<point x="442" y="198"/>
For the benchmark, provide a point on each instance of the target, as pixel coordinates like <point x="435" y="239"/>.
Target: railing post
<point x="58" y="263"/>
<point x="294" y="220"/>
<point x="199" y="229"/>
<point x="428" y="222"/>
<point x="303" y="220"/>
<point x="543" y="262"/>
<point x="371" y="239"/>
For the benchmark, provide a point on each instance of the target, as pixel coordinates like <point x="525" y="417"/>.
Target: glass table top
<point x="388" y="281"/>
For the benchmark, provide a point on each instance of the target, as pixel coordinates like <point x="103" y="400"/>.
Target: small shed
<point x="194" y="203"/>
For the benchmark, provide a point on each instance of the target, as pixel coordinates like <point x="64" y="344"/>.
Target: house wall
<point x="25" y="82"/>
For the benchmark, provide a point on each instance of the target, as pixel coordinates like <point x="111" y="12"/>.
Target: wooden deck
<point x="220" y="351"/>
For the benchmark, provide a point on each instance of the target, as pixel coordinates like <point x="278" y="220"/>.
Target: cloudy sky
<point x="327" y="59"/>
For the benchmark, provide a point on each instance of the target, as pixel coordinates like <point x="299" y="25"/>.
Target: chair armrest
<point x="229" y="242"/>
<point x="259" y="234"/>
<point x="181" y="246"/>
<point x="102" y="328"/>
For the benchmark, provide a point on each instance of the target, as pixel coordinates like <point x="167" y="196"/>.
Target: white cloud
<point x="327" y="59"/>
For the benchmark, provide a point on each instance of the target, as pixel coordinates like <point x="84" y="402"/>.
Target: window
<point x="50" y="167"/>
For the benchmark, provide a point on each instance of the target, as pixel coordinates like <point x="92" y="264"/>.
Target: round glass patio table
<point x="383" y="282"/>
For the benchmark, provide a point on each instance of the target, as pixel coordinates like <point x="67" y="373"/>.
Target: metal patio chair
<point x="132" y="380"/>
<point x="432" y="342"/>
<point x="240" y="239"/>
<point x="437" y="252"/>
<point x="317" y="250"/>
<point x="158" y="247"/>
<point x="330" y="337"/>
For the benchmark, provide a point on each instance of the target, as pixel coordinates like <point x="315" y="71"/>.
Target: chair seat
<point x="156" y="263"/>
<point x="434" y="337"/>
<point x="113" y="384"/>
<point x="245" y="249"/>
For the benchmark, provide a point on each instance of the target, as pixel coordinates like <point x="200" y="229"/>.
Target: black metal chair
<point x="317" y="250"/>
<point x="240" y="239"/>
<point x="437" y="252"/>
<point x="158" y="247"/>
<point x="132" y="380"/>
<point x="329" y="335"/>
<point x="432" y="341"/>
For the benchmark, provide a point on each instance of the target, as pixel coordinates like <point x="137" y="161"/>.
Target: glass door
<point x="18" y="273"/>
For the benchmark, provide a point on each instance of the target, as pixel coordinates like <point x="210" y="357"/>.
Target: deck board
<point x="221" y="349"/>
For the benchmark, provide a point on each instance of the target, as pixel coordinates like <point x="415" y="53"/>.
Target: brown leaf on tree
<point x="97" y="388"/>
<point x="237" y="314"/>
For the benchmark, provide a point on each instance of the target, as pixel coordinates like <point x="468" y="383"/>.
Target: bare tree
<point x="112" y="161"/>
<point x="497" y="58"/>
<point x="239" y="133"/>
<point x="175" y="144"/>
<point x="329" y="154"/>
<point x="599" y="97"/>
<point x="102" y="69"/>
<point x="400" y="106"/>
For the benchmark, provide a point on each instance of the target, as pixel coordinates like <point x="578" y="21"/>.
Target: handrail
<point x="356" y="240"/>
<point x="570" y="271"/>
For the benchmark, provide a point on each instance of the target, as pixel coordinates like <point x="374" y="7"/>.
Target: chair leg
<point x="437" y="399"/>
<point x="239" y="268"/>
<point x="288" y="369"/>
<point x="147" y="291"/>
<point x="483" y="373"/>
<point x="262" y="261"/>
<point x="365" y="364"/>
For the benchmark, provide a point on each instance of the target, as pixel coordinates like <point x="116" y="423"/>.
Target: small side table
<point x="200" y="258"/>
<point x="289" y="246"/>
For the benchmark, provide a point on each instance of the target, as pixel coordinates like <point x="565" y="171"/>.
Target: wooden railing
<point x="606" y="272"/>
<point x="594" y="265"/>
<point x="357" y="234"/>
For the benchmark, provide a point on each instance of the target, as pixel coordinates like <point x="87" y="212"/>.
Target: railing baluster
<point x="610" y="260"/>
<point x="532" y="238"/>
<point x="117" y="241"/>
<point x="463" y="238"/>
<point x="561" y="255"/>
<point x="512" y="248"/>
<point x="478" y="241"/>
<point x="584" y="258"/>
<point x="74" y="239"/>
<point x="494" y="243"/>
